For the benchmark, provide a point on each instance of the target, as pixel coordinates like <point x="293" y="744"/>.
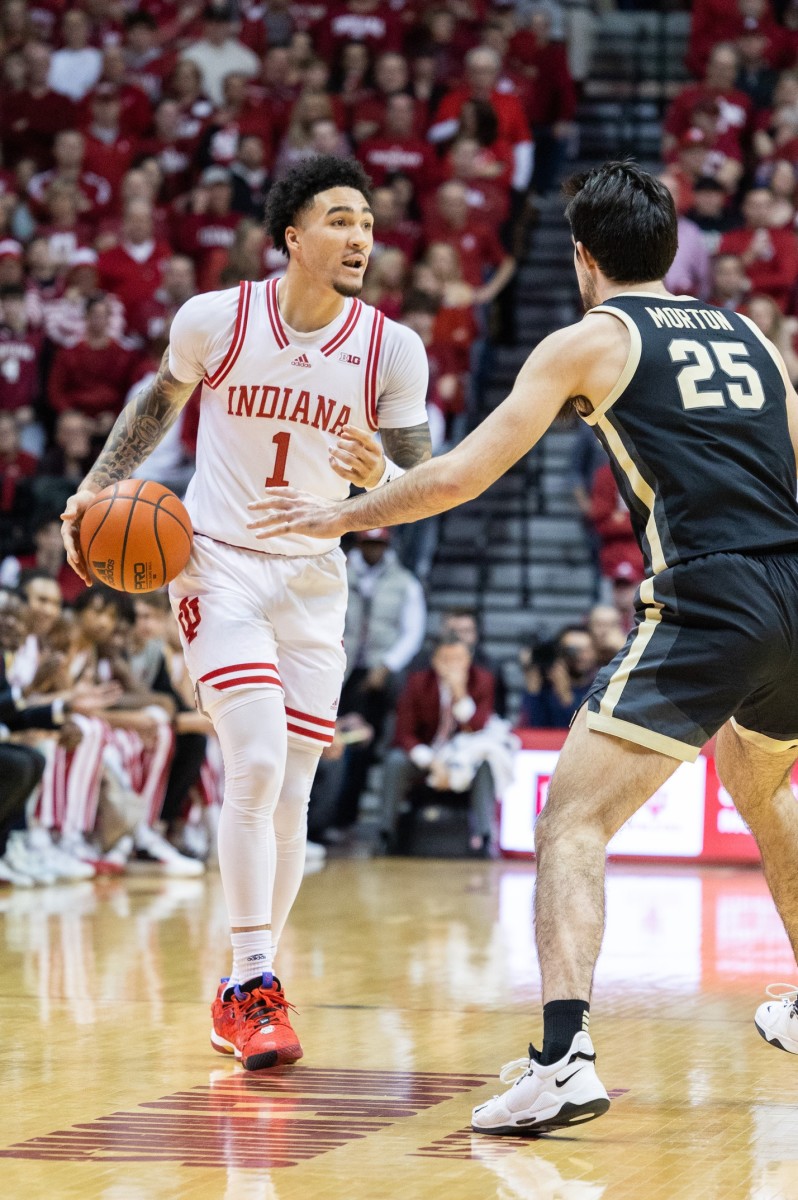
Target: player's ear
<point x="584" y="256"/>
<point x="292" y="237"/>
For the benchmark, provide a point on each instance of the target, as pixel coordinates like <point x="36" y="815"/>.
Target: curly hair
<point x="297" y="191"/>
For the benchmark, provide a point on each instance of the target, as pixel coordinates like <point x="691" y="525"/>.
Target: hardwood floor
<point x="415" y="981"/>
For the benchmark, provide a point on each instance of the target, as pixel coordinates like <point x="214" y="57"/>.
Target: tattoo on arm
<point x="140" y="427"/>
<point x="407" y="447"/>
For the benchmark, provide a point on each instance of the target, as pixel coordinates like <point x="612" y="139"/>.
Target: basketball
<point x="135" y="536"/>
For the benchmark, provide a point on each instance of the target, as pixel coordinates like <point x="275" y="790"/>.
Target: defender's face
<point x="334" y="239"/>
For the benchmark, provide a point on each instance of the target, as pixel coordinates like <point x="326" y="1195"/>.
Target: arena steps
<point x="518" y="553"/>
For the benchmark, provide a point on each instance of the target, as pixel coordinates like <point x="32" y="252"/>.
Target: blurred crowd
<point x="138" y="143"/>
<point x="730" y="153"/>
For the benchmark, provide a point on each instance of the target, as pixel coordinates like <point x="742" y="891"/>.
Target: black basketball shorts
<point x="714" y="638"/>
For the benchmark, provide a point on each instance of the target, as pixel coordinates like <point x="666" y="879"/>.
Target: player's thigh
<point x="600" y="781"/>
<point x="752" y="766"/>
<point x="220" y="606"/>
<point x="309" y="626"/>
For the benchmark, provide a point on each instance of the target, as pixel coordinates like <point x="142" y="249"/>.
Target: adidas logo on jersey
<point x="301" y="361"/>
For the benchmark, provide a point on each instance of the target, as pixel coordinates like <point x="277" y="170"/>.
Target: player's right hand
<point x="70" y="531"/>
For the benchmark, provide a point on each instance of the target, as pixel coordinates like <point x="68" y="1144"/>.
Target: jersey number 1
<point x="277" y="477"/>
<point x="740" y="380"/>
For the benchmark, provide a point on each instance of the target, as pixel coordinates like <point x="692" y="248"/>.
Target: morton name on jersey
<point x="274" y="401"/>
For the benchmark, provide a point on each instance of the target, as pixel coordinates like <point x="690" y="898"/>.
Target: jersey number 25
<point x="703" y="367"/>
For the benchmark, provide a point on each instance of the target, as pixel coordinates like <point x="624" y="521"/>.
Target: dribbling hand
<point x="70" y="531"/>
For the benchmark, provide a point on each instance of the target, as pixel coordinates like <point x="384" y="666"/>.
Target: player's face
<point x="333" y="241"/>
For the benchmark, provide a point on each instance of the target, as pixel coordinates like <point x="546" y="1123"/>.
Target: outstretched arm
<point x="137" y="431"/>
<point x="562" y="366"/>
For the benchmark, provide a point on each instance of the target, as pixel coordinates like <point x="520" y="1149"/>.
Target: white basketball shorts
<point x="250" y="620"/>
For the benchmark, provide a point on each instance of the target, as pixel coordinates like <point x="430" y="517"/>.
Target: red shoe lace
<point x="267" y="1006"/>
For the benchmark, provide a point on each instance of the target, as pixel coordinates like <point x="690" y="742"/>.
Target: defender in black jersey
<point x="700" y="421"/>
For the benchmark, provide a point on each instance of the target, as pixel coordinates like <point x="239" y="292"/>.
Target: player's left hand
<point x="357" y="457"/>
<point x="289" y="511"/>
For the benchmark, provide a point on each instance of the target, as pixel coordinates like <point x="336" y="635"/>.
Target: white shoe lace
<point x="511" y="1072"/>
<point x="786" y="992"/>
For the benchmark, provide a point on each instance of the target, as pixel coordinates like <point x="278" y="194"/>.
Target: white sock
<point x="253" y="955"/>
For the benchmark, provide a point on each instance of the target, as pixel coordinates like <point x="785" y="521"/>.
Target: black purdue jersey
<point x="696" y="430"/>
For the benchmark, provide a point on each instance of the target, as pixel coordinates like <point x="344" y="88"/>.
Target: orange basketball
<point x="135" y="536"/>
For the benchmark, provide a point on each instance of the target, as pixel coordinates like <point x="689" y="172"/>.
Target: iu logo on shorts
<point x="188" y="614"/>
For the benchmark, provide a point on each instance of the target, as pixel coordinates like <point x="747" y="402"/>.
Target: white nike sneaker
<point x="567" y="1092"/>
<point x="777" y="1019"/>
<point x="23" y="858"/>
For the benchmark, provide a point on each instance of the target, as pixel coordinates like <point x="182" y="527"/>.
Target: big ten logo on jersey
<point x="189" y="617"/>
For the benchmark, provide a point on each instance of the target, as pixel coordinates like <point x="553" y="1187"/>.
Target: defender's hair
<point x="626" y="219"/>
<point x="297" y="191"/>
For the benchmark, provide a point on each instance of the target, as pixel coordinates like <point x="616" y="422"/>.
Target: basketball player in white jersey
<point x="295" y="372"/>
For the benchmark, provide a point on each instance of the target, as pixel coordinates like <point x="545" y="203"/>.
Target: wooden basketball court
<point x="415" y="981"/>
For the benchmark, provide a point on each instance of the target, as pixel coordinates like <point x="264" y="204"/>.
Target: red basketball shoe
<point x="253" y="1024"/>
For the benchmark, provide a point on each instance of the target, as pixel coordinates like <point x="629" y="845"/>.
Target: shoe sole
<point x="569" y="1114"/>
<point x="258" y="1062"/>
<point x="773" y="1041"/>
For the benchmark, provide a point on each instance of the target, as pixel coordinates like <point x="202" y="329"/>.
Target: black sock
<point x="562" y="1020"/>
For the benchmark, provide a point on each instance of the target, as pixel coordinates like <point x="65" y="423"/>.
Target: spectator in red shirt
<point x="210" y="224"/>
<point x="451" y="696"/>
<point x="109" y="150"/>
<point x="440" y="276"/>
<point x="238" y="117"/>
<point x="385" y="282"/>
<point x="65" y="313"/>
<point x="350" y="80"/>
<point x="249" y="177"/>
<point x="185" y="86"/>
<point x="173" y="152"/>
<point x="148" y="64"/>
<point x="132" y="270"/>
<point x="93" y="376"/>
<point x="477" y="244"/>
<point x="612" y="523"/>
<point x="49" y="556"/>
<point x="65" y="229"/>
<point x="769" y="256"/>
<point x="397" y="148"/>
<point x="179" y="284"/>
<point x="15" y="463"/>
<point x="12" y="268"/>
<point x="719" y="84"/>
<point x="731" y="286"/>
<point x="488" y="201"/>
<point x="30" y="118"/>
<point x="550" y="97"/>
<point x="69" y="152"/>
<point x="392" y="78"/>
<point x="483" y="66"/>
<point x="369" y="21"/>
<point x="20" y="357"/>
<point x="446" y="390"/>
<point x="388" y="230"/>
<point x="135" y="113"/>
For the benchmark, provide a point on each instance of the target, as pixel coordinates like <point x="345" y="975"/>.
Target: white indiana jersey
<point x="274" y="401"/>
